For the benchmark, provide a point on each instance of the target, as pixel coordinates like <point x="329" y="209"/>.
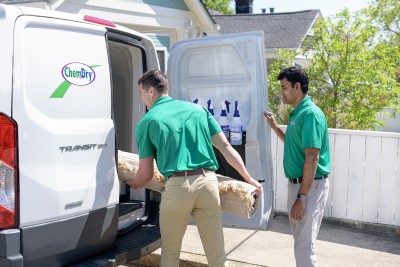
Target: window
<point x="161" y="59"/>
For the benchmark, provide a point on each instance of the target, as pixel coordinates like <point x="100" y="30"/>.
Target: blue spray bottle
<point x="223" y="121"/>
<point x="227" y="103"/>
<point x="236" y="128"/>
<point x="210" y="107"/>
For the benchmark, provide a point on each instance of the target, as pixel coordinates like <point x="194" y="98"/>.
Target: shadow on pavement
<point x="345" y="234"/>
<point x="153" y="260"/>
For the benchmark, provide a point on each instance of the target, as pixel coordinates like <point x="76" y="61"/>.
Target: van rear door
<point x="66" y="140"/>
<point x="230" y="67"/>
<point x="62" y="103"/>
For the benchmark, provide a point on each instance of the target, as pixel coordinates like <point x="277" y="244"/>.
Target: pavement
<point x="337" y="245"/>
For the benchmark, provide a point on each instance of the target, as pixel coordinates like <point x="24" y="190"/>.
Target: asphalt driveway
<point x="337" y="245"/>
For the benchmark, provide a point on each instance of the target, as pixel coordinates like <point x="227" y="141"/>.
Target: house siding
<point x="176" y="4"/>
<point x="160" y="41"/>
<point x="162" y="44"/>
<point x="23" y="1"/>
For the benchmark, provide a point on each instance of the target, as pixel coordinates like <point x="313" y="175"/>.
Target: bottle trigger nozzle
<point x="210" y="107"/>
<point x="227" y="103"/>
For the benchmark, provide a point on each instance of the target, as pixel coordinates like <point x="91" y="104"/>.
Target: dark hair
<point x="156" y="79"/>
<point x="295" y="75"/>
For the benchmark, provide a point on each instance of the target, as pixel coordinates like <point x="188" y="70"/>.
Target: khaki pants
<point x="198" y="196"/>
<point x="305" y="231"/>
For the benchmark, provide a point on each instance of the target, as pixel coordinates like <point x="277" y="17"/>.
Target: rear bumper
<point x="10" y="255"/>
<point x="73" y="240"/>
<point x="131" y="245"/>
<point x="128" y="247"/>
<point x="61" y="242"/>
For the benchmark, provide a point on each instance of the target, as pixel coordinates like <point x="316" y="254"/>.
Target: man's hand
<point x="298" y="209"/>
<point x="274" y="126"/>
<point x="270" y="119"/>
<point x="256" y="184"/>
<point x="133" y="183"/>
<point x="144" y="174"/>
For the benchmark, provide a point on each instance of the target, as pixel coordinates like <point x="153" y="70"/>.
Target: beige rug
<point x="237" y="197"/>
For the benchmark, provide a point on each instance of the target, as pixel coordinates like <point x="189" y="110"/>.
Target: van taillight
<point x="8" y="172"/>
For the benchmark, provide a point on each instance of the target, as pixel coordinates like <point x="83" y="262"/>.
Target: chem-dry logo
<point x="74" y="73"/>
<point x="78" y="73"/>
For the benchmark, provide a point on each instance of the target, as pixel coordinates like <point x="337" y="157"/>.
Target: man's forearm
<point x="235" y="160"/>
<point x="309" y="170"/>
<point x="279" y="132"/>
<point x="144" y="174"/>
<point x="139" y="181"/>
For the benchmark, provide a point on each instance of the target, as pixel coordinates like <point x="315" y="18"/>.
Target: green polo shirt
<point x="178" y="135"/>
<point x="307" y="128"/>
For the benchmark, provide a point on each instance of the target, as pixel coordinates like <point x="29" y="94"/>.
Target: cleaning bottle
<point x="236" y="127"/>
<point x="210" y="107"/>
<point x="227" y="103"/>
<point x="223" y="121"/>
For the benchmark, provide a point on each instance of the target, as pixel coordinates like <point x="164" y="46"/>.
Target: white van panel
<point x="230" y="67"/>
<point x="7" y="18"/>
<point x="63" y="107"/>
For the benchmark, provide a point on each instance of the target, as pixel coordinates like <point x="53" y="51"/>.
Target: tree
<point x="385" y="14"/>
<point x="219" y="5"/>
<point x="351" y="77"/>
<point x="286" y="57"/>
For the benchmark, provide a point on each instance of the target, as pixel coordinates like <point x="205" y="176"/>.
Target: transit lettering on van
<point x="81" y="147"/>
<point x="74" y="73"/>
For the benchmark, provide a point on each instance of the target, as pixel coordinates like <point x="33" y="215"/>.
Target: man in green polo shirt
<point x="180" y="136"/>
<point x="306" y="163"/>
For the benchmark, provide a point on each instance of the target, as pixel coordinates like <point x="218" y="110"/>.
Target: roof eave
<point x="317" y="16"/>
<point x="204" y="17"/>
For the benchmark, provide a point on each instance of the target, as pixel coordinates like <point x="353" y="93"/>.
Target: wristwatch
<point x="303" y="198"/>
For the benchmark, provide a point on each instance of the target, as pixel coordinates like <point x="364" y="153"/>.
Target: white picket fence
<point x="364" y="179"/>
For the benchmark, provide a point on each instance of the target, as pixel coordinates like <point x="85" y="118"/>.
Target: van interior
<point x="127" y="65"/>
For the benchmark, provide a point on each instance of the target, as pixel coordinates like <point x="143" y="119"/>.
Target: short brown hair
<point x="156" y="79"/>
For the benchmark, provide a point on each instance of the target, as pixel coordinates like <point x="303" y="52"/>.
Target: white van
<point x="69" y="101"/>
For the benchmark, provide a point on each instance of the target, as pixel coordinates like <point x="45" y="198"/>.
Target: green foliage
<point x="221" y="6"/>
<point x="285" y="59"/>
<point x="351" y="77"/>
<point x="385" y="14"/>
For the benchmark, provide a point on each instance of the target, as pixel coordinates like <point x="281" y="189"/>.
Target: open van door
<point x="230" y="68"/>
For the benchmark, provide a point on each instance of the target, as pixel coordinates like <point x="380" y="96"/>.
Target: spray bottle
<point x="223" y="121"/>
<point x="236" y="127"/>
<point x="227" y="103"/>
<point x="210" y="107"/>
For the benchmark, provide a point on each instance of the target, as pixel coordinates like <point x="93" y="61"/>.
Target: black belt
<point x="190" y="172"/>
<point x="298" y="180"/>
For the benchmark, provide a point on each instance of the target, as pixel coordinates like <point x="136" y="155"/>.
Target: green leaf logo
<point x="75" y="73"/>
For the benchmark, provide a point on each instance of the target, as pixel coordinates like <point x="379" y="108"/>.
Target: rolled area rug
<point x="236" y="197"/>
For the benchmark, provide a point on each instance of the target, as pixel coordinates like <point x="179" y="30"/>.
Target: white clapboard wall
<point x="364" y="179"/>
